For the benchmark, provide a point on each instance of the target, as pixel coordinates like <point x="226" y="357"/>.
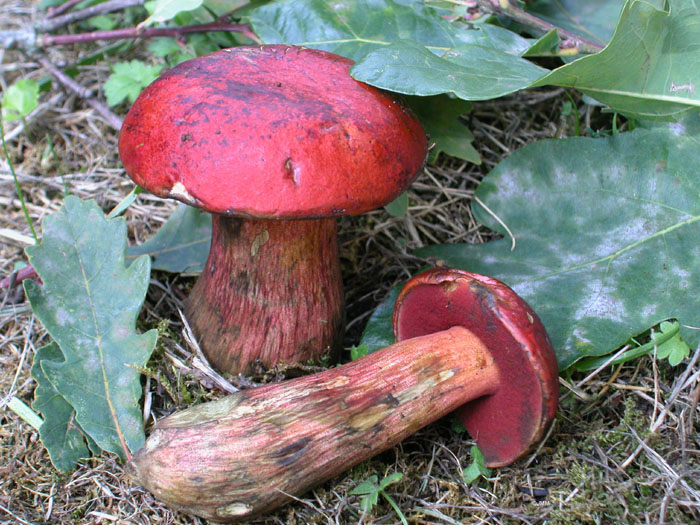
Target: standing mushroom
<point x="262" y="137"/>
<point x="474" y="346"/>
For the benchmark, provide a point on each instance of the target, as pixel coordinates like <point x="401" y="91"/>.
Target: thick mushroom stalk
<point x="271" y="290"/>
<point x="244" y="455"/>
<point x="261" y="136"/>
<point x="237" y="457"/>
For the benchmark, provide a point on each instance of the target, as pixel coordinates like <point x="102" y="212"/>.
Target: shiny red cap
<point x="271" y="131"/>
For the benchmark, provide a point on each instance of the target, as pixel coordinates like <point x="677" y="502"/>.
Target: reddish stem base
<point x="271" y="293"/>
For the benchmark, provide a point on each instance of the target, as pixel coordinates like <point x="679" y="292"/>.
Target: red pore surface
<point x="507" y="423"/>
<point x="271" y="131"/>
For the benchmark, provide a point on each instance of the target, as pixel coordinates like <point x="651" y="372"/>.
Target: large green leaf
<point x="379" y="331"/>
<point x="88" y="303"/>
<point x="591" y="19"/>
<point x="440" y="118"/>
<point x="404" y="46"/>
<point x="164" y="10"/>
<point x="59" y="432"/>
<point x="651" y="67"/>
<point x="468" y="71"/>
<point x="353" y="29"/>
<point x="607" y="236"/>
<point x="180" y="245"/>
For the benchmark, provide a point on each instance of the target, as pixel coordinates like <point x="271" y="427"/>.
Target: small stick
<point x="53" y="12"/>
<point x="112" y="119"/>
<point x="148" y="32"/>
<point x="51" y="24"/>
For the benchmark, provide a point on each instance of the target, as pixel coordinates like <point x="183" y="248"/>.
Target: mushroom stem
<point x="270" y="293"/>
<point x="246" y="454"/>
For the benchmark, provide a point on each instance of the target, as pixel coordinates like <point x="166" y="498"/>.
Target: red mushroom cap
<point x="272" y="132"/>
<point x="516" y="416"/>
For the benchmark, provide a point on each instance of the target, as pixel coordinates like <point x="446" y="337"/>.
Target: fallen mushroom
<point x="262" y="137"/>
<point x="474" y="346"/>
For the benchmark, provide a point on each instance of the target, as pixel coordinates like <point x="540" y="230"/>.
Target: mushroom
<point x="263" y="137"/>
<point x="465" y="342"/>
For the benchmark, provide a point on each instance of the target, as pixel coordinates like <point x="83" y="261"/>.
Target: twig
<point x="601" y="367"/>
<point x="113" y="120"/>
<point x="53" y="23"/>
<point x="570" y="41"/>
<point x="28" y="272"/>
<point x="694" y="398"/>
<point x="15" y="516"/>
<point x="29" y="39"/>
<point x="53" y="12"/>
<point x="145" y="32"/>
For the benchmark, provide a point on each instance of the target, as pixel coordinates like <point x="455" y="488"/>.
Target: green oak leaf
<point x="358" y="351"/>
<point x="20" y="99"/>
<point x="164" y="10"/>
<point x="477" y="468"/>
<point x="379" y="331"/>
<point x="404" y="47"/>
<point x="370" y="489"/>
<point x="606" y="235"/>
<point x="399" y="206"/>
<point x="369" y="492"/>
<point x="674" y="349"/>
<point x="103" y="22"/>
<point x="353" y="29"/>
<point x="88" y="303"/>
<point x="222" y="7"/>
<point x="350" y="29"/>
<point x="162" y="47"/>
<point x="440" y="118"/>
<point x="547" y="45"/>
<point x="128" y="79"/>
<point x="181" y="244"/>
<point x="594" y="20"/>
<point x="468" y="71"/>
<point x="60" y="433"/>
<point x="651" y="67"/>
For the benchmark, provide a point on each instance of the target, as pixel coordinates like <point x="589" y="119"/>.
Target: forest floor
<point x="625" y="445"/>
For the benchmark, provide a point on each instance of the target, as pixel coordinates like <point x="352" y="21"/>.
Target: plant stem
<point x="53" y="12"/>
<point x="28" y="272"/>
<point x="393" y="504"/>
<point x="148" y="32"/>
<point x="53" y="23"/>
<point x="570" y="41"/>
<point x="14" y="176"/>
<point x="112" y="119"/>
<point x="659" y="339"/>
